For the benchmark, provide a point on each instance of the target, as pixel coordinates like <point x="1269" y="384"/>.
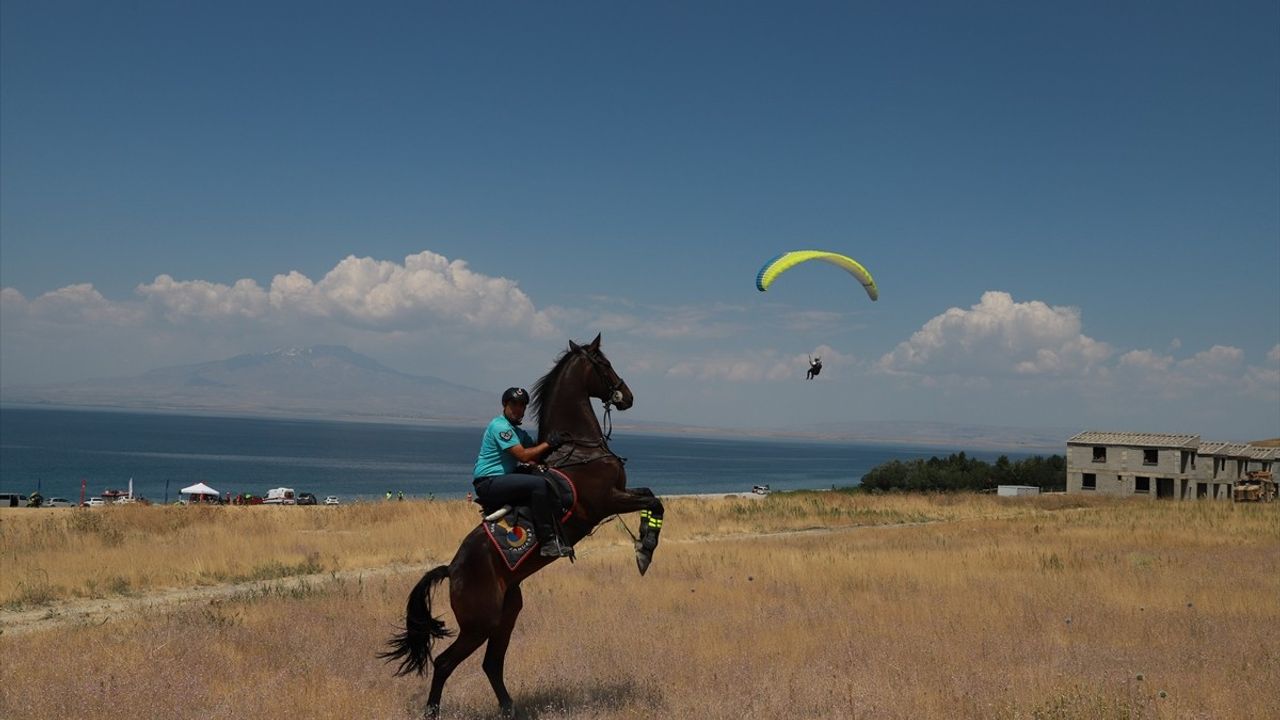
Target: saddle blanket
<point x="513" y="535"/>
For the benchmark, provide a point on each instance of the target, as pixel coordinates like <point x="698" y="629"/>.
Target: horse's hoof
<point x="432" y="712"/>
<point x="642" y="560"/>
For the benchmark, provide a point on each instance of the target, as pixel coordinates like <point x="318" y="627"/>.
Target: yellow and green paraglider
<point x="788" y="260"/>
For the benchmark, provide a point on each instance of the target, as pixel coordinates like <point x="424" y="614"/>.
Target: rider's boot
<point x="544" y="526"/>
<point x="551" y="545"/>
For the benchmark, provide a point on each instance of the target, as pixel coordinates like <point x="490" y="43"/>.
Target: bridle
<point x="612" y="396"/>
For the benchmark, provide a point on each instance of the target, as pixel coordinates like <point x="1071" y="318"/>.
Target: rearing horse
<point x="483" y="592"/>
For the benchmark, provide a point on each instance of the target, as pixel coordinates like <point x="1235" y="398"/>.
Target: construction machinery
<point x="1256" y="486"/>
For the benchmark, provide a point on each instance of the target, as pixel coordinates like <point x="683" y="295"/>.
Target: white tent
<point x="200" y="489"/>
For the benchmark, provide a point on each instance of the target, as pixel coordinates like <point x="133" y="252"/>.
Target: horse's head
<point x="581" y="371"/>
<point x="601" y="381"/>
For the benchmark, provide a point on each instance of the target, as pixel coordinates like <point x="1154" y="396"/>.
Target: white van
<point x="281" y="496"/>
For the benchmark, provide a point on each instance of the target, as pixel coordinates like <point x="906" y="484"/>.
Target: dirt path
<point x="102" y="610"/>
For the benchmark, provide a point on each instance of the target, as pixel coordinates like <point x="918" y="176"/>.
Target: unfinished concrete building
<point x="1161" y="465"/>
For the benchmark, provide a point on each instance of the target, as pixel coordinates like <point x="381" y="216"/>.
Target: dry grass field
<point x="819" y="605"/>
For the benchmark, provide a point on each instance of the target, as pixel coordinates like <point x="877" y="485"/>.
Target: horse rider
<point x="815" y="367"/>
<point x="505" y="445"/>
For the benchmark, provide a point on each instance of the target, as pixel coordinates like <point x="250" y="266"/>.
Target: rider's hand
<point x="554" y="440"/>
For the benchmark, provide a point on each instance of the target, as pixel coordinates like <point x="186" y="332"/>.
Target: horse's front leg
<point x="650" y="509"/>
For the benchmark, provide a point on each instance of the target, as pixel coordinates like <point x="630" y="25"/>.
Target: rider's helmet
<point x="515" y="394"/>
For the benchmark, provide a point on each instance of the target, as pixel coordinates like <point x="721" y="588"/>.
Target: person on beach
<point x="504" y="446"/>
<point x="815" y="367"/>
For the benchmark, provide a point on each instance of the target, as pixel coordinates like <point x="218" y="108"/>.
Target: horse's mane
<point x="545" y="388"/>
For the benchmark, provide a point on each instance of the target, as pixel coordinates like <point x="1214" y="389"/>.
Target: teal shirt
<point x="498" y="438"/>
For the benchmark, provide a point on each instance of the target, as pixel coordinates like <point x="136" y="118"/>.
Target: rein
<point x="606" y="421"/>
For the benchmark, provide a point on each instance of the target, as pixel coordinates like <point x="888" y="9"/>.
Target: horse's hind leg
<point x="495" y="654"/>
<point x="446" y="662"/>
<point x="477" y="599"/>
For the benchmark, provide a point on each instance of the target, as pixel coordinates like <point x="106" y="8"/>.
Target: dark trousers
<point x="519" y="489"/>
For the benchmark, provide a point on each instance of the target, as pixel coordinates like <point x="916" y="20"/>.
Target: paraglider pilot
<point x="815" y="367"/>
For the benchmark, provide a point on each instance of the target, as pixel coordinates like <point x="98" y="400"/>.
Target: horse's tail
<point x="413" y="646"/>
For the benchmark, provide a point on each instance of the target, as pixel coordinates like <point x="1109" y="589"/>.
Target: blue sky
<point x="1073" y="214"/>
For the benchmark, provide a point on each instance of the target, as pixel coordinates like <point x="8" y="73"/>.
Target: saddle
<point x="511" y="528"/>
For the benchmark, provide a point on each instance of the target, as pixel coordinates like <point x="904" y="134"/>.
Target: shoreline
<point x="748" y="495"/>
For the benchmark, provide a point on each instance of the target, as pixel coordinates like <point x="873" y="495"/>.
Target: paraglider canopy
<point x="784" y="262"/>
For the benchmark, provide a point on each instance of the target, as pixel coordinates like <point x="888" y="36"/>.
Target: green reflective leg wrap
<point x="650" y="527"/>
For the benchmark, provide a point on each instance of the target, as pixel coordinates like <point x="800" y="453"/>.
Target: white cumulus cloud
<point x="999" y="336"/>
<point x="385" y="294"/>
<point x="10" y="296"/>
<point x="1216" y="360"/>
<point x="180" y="300"/>
<point x="1206" y="375"/>
<point x="79" y="304"/>
<point x="378" y="295"/>
<point x="1146" y="360"/>
<point x="1263" y="382"/>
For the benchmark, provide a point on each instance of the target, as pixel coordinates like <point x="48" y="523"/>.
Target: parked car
<point x="331" y="500"/>
<point x="57" y="502"/>
<point x="12" y="500"/>
<point x="306" y="499"/>
<point x="95" y="502"/>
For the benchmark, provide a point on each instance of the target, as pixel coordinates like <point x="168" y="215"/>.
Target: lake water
<point x="54" y="449"/>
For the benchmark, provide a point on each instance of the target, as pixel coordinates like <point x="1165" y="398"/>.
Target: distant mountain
<point x="324" y="380"/>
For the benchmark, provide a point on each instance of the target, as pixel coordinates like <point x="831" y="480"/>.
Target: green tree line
<point x="960" y="472"/>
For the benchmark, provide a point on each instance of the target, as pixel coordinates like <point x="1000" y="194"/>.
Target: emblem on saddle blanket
<point x="512" y="535"/>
